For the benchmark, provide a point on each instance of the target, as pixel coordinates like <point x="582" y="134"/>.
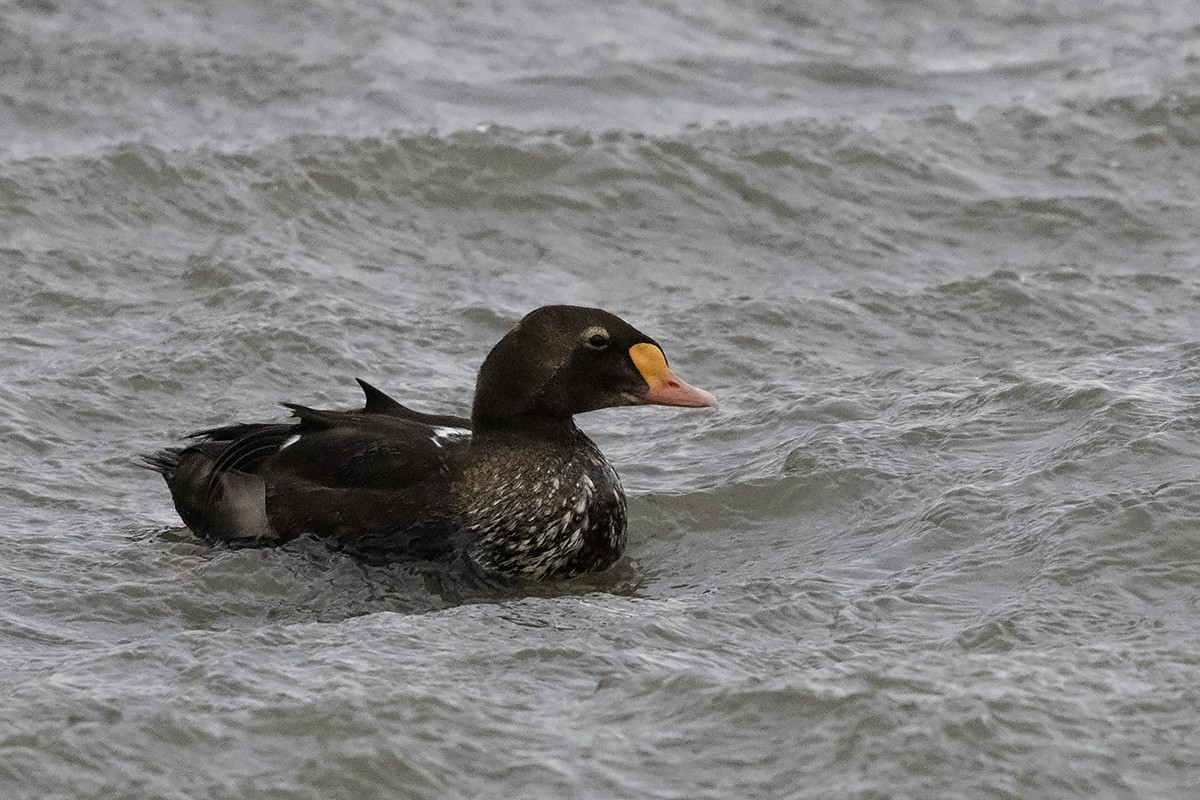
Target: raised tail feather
<point x="164" y="462"/>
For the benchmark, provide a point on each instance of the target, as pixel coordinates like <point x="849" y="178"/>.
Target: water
<point x="938" y="260"/>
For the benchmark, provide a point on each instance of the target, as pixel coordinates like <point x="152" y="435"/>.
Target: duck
<point x="516" y="491"/>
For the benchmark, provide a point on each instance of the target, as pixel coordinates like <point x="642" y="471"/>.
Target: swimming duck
<point x="517" y="491"/>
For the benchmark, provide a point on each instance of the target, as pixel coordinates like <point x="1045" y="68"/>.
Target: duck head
<point x="564" y="360"/>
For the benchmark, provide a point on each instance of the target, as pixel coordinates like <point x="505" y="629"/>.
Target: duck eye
<point x="596" y="339"/>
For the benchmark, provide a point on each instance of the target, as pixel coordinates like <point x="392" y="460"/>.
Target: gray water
<point x="937" y="259"/>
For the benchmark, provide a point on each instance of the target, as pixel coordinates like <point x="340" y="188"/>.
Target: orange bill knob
<point x="665" y="388"/>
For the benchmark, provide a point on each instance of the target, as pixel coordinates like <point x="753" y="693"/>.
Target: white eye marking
<point x="291" y="441"/>
<point x="595" y="338"/>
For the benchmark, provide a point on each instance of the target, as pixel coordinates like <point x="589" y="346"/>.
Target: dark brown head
<point x="564" y="360"/>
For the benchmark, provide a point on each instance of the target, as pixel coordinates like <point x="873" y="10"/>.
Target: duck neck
<point x="522" y="427"/>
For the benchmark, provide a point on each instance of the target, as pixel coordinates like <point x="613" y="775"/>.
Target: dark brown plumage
<point x="515" y="491"/>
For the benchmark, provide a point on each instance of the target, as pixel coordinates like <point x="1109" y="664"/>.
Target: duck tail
<point x="165" y="462"/>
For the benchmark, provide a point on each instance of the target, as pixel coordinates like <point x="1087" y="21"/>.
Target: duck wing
<point x="261" y="483"/>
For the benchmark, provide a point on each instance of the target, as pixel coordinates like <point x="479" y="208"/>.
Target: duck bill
<point x="664" y="388"/>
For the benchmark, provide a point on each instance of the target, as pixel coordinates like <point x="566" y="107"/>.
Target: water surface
<point x="938" y="260"/>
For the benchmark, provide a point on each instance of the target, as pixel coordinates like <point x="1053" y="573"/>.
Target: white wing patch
<point x="291" y="441"/>
<point x="442" y="434"/>
<point x="449" y="433"/>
